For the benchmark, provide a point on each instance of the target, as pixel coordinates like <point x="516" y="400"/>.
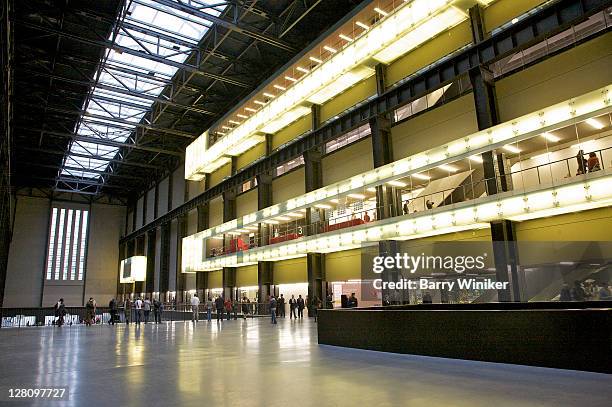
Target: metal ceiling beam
<point x="70" y="168"/>
<point x="234" y="26"/>
<point x="121" y="91"/>
<point x="137" y="53"/>
<point x="110" y="143"/>
<point x="83" y="181"/>
<point x="93" y="157"/>
<point x="83" y="113"/>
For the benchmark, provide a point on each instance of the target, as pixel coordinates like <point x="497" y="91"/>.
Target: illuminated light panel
<point x="568" y="197"/>
<point x="551" y="137"/>
<point x="371" y="189"/>
<point x="511" y="149"/>
<point x="269" y="95"/>
<point x="250" y="109"/>
<point x="279" y="87"/>
<point x="356" y="196"/>
<point x="233" y="122"/>
<point x="226" y="127"/>
<point x="476" y="159"/>
<point x="447" y="168"/>
<point x="594" y="123"/>
<point x="381" y="12"/>
<point x="424" y="18"/>
<point x="362" y="25"/>
<point x="317" y="60"/>
<point x="397" y="184"/>
<point x="259" y="102"/>
<point x="242" y="116"/>
<point x="330" y="49"/>
<point x="295" y="215"/>
<point x="422" y="176"/>
<point x="283" y="218"/>
<point x="289" y="117"/>
<point x="133" y="269"/>
<point x="290" y="78"/>
<point x="346" y="38"/>
<point x="335" y="200"/>
<point x="323" y="206"/>
<point x="304" y="70"/>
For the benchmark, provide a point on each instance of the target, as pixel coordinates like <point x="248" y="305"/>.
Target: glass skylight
<point x="136" y="78"/>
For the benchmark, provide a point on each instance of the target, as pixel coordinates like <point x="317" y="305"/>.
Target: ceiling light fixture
<point x="259" y="102"/>
<point x="299" y="68"/>
<point x="511" y="149"/>
<point x="346" y="38"/>
<point x="594" y="123"/>
<point x="399" y="184"/>
<point x="356" y="196"/>
<point x="250" y="109"/>
<point x="269" y="95"/>
<point x="317" y="60"/>
<point x="330" y="49"/>
<point x="476" y="159"/>
<point x="289" y="78"/>
<point x="381" y="12"/>
<point x="422" y="176"/>
<point x="279" y="87"/>
<point x="362" y="25"/>
<point x="550" y="137"/>
<point x="448" y="168"/>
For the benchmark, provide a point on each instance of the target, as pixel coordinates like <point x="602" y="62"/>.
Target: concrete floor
<point x="251" y="363"/>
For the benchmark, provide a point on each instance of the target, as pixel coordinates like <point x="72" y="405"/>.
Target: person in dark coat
<point x="219" y="305"/>
<point x="157" y="310"/>
<point x="112" y="306"/>
<point x="60" y="312"/>
<point x="300" y="306"/>
<point x="292" y="307"/>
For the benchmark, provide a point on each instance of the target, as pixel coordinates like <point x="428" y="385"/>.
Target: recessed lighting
<point x="295" y="215"/>
<point x="279" y="87"/>
<point x="250" y="109"/>
<point x="269" y="95"/>
<point x="371" y="189"/>
<point x="303" y="210"/>
<point x="285" y="218"/>
<point x="221" y="133"/>
<point x="397" y="184"/>
<point x="242" y="116"/>
<point x="362" y="25"/>
<point x="226" y="127"/>
<point x="346" y="38"/>
<point x="356" y="196"/>
<point x="551" y="137"/>
<point x="317" y="60"/>
<point x="323" y="206"/>
<point x="299" y="68"/>
<point x="476" y="159"/>
<point x="330" y="49"/>
<point x="448" y="168"/>
<point x="271" y="222"/>
<point x="594" y="123"/>
<point x="511" y="149"/>
<point x="233" y="122"/>
<point x="421" y="176"/>
<point x="289" y="78"/>
<point x="381" y="12"/>
<point x="259" y="102"/>
<point x="335" y="200"/>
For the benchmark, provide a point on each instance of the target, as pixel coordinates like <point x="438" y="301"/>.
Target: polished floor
<point x="252" y="363"/>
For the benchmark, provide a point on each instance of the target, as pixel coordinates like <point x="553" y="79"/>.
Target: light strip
<point x="407" y="27"/>
<point x="531" y="125"/>
<point x="570" y="195"/>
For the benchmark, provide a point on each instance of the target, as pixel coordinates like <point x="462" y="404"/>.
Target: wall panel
<point x="290" y="271"/>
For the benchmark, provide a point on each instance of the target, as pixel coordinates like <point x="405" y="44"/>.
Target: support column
<point x="202" y="284"/>
<point x="229" y="213"/>
<point x="156" y="201"/>
<point x="139" y="286"/>
<point x="264" y="199"/>
<point x="495" y="167"/>
<point x="388" y="199"/>
<point x="204" y="210"/>
<point x="144" y="208"/>
<point x="134" y="212"/>
<point x="265" y="279"/>
<point x="150" y="281"/>
<point x="164" y="261"/>
<point x="315" y="261"/>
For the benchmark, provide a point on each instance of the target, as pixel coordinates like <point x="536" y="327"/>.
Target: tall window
<point x="67" y="242"/>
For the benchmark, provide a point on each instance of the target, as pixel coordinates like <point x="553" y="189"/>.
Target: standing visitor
<point x="147" y="309"/>
<point x="300" y="306"/>
<point x="127" y="310"/>
<point x="112" y="305"/>
<point x="281" y="306"/>
<point x="195" y="308"/>
<point x="90" y="312"/>
<point x="219" y="303"/>
<point x="273" y="309"/>
<point x="292" y="307"/>
<point x="157" y="310"/>
<point x="138" y="310"/>
<point x="60" y="312"/>
<point x="209" y="307"/>
<point x="228" y="308"/>
<point x="352" y="301"/>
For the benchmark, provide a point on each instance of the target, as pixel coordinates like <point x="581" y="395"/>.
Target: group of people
<point x="587" y="165"/>
<point x="137" y="311"/>
<point x="586" y="292"/>
<point x="223" y="308"/>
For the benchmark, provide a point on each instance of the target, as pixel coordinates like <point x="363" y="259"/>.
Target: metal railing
<point x="469" y="189"/>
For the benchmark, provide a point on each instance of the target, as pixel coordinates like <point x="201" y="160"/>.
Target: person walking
<point x="157" y="310"/>
<point x="219" y="303"/>
<point x="138" y="310"/>
<point x="90" y="312"/>
<point x="60" y="312"/>
<point x="195" y="308"/>
<point x="273" y="309"/>
<point x="127" y="310"/>
<point x="300" y="306"/>
<point x="292" y="307"/>
<point x="316" y="304"/>
<point x="112" y="306"/>
<point x="209" y="307"/>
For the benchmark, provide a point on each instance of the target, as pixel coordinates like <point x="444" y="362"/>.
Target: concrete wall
<point x="25" y="284"/>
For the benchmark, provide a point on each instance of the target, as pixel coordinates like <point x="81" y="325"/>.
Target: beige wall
<point x="246" y="203"/>
<point x="290" y="271"/>
<point x="348" y="161"/>
<point x="288" y="185"/>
